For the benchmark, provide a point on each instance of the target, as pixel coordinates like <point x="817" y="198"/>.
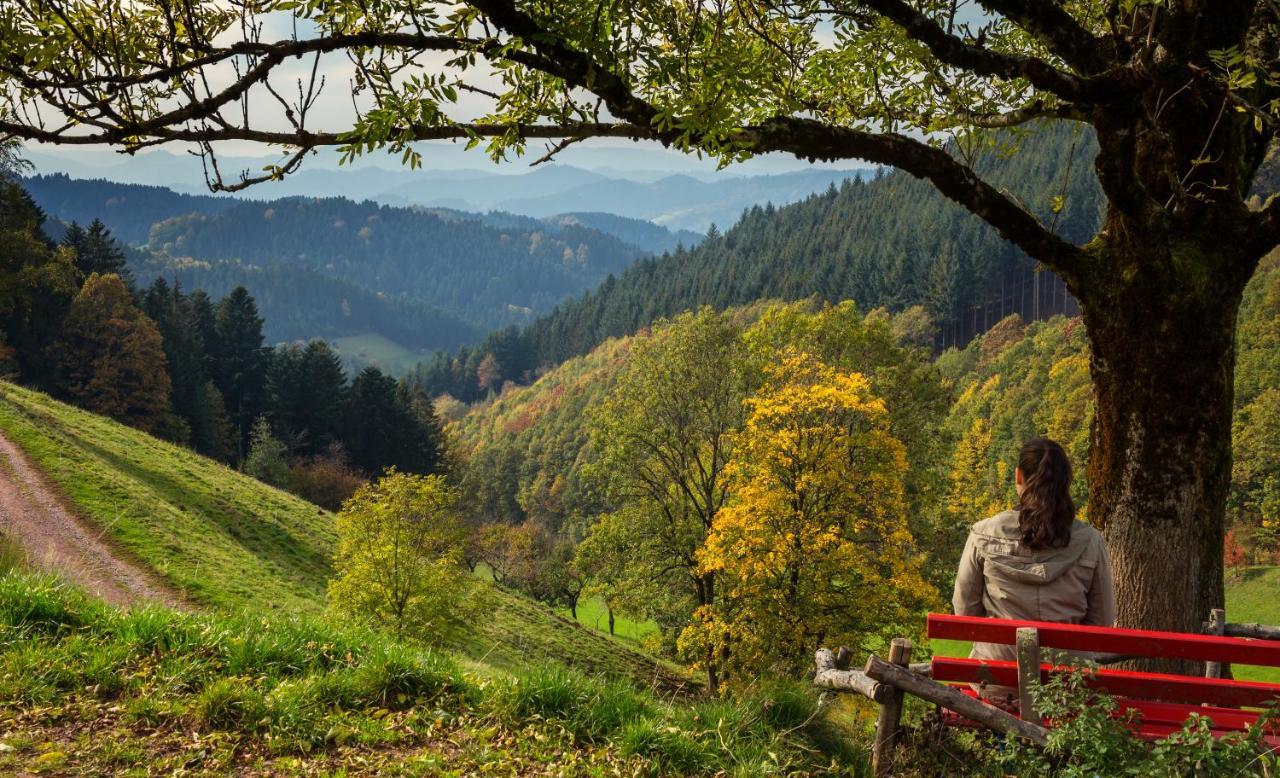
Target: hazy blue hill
<point x="484" y="275"/>
<point x="298" y="303"/>
<point x="128" y="209"/>
<point x="483" y="191"/>
<point x="681" y="201"/>
<point x="638" y="232"/>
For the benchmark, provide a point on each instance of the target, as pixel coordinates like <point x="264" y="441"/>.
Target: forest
<point x="192" y="368"/>
<point x="889" y="241"/>
<point x="543" y="462"/>
<point x="454" y="264"/>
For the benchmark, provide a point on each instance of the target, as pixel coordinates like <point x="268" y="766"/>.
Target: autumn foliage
<point x="814" y="548"/>
<point x="112" y="355"/>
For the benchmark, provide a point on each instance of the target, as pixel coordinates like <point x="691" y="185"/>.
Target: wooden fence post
<point x="1217" y="626"/>
<point x="1028" y="641"/>
<point x="890" y="712"/>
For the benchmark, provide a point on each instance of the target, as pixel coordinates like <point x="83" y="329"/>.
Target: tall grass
<point x="295" y="685"/>
<point x="12" y="557"/>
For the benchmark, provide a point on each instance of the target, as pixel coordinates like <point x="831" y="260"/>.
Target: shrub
<point x="325" y="480"/>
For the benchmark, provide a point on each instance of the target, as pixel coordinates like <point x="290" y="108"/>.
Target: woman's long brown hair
<point x="1045" y="509"/>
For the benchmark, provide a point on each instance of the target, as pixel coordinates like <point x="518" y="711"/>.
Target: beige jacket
<point x="1001" y="579"/>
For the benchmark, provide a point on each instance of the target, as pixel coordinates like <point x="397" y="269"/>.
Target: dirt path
<point x="34" y="514"/>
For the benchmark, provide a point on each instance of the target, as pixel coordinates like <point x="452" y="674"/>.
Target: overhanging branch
<point x="1057" y="29"/>
<point x="979" y="60"/>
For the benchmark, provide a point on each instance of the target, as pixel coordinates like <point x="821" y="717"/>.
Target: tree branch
<point x="1057" y="29"/>
<point x="980" y="60"/>
<point x="814" y="140"/>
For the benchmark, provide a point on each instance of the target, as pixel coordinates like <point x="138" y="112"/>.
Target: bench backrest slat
<point x="1136" y="642"/>
<point x="1120" y="683"/>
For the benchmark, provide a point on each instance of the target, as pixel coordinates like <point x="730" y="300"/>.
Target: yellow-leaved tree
<point x="814" y="547"/>
<point x="399" y="561"/>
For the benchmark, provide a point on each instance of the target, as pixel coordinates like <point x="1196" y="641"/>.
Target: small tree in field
<point x="814" y="547"/>
<point x="267" y="460"/>
<point x="399" y="560"/>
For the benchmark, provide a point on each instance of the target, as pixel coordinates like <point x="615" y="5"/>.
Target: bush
<point x="1088" y="740"/>
<point x="325" y="480"/>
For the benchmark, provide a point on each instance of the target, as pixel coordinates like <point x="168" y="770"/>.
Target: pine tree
<point x="382" y="431"/>
<point x="211" y="432"/>
<point x="96" y="251"/>
<point x="113" y="357"/>
<point x="241" y="360"/>
<point x="37" y="284"/>
<point x="305" y="391"/>
<point x="184" y="349"/>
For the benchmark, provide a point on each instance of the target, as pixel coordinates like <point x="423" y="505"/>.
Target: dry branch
<point x="828" y="677"/>
<point x="952" y="699"/>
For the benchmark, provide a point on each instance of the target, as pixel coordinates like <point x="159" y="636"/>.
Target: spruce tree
<point x="381" y="430"/>
<point x="241" y="360"/>
<point x="96" y="251"/>
<point x="37" y="284"/>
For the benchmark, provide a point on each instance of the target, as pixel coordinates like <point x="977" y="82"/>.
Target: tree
<point x="1181" y="97"/>
<point x="664" y="437"/>
<point x="306" y="392"/>
<point x="96" y="251"/>
<point x="267" y="459"/>
<point x="211" y="432"/>
<point x="399" y="560"/>
<point x="488" y="373"/>
<point x="380" y="430"/>
<point x="37" y="284"/>
<point x="240" y="359"/>
<point x="184" y="348"/>
<point x="1256" y="472"/>
<point x="815" y="547"/>
<point x="112" y="356"/>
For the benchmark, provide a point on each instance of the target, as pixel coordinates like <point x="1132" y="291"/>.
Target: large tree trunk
<point x="1163" y="355"/>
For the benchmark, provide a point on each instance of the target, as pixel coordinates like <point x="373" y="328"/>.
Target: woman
<point x="1036" y="563"/>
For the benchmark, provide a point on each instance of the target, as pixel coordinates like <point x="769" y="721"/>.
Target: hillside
<point x="486" y="270"/>
<point x="228" y="542"/>
<point x="892" y="241"/>
<point x="89" y="690"/>
<point x="299" y="303"/>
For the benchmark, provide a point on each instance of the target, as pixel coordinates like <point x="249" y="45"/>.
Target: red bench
<point x="1159" y="702"/>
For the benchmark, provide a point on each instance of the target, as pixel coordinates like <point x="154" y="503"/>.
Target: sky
<point x="333" y="110"/>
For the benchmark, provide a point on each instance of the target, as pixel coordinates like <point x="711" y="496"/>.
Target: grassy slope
<point x="89" y="690"/>
<point x="224" y="539"/>
<point x="231" y="542"/>
<point x="371" y="348"/>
